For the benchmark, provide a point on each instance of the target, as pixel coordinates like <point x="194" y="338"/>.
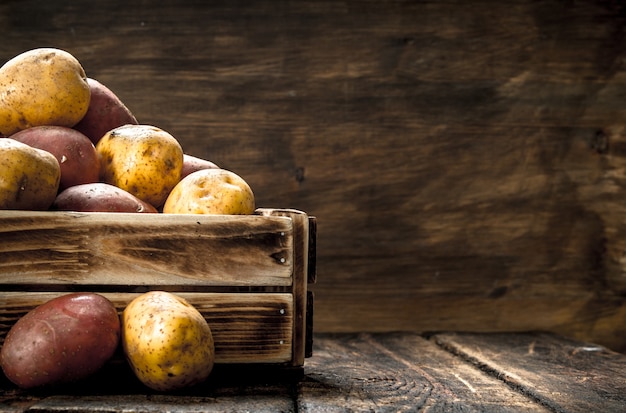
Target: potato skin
<point x="167" y="342"/>
<point x="47" y="86"/>
<point x="193" y="164"/>
<point x="211" y="191"/>
<point x="99" y="197"/>
<point x="106" y="112"/>
<point x="76" y="154"/>
<point x="63" y="340"/>
<point x="29" y="176"/>
<point x="141" y="159"/>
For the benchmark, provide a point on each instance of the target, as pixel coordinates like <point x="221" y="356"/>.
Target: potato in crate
<point x="247" y="275"/>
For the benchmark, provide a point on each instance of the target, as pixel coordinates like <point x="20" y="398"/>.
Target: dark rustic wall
<point x="465" y="159"/>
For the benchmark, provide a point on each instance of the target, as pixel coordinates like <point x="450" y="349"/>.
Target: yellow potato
<point x="141" y="159"/>
<point x="167" y="342"/>
<point x="43" y="86"/>
<point x="211" y="191"/>
<point x="29" y="177"/>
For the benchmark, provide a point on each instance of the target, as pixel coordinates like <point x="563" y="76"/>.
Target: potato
<point x="63" y="340"/>
<point x="167" y="342"/>
<point x="193" y="164"/>
<point x="45" y="86"/>
<point x="29" y="177"/>
<point x="99" y="197"/>
<point x="76" y="154"/>
<point x="211" y="191"/>
<point x="141" y="159"/>
<point x="106" y="112"/>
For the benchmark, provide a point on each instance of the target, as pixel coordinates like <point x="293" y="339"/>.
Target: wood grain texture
<point x="247" y="328"/>
<point x="303" y="255"/>
<point x="144" y="250"/>
<point x="268" y="403"/>
<point x="465" y="160"/>
<point x="247" y="275"/>
<point x="393" y="372"/>
<point x="399" y="373"/>
<point x="562" y="374"/>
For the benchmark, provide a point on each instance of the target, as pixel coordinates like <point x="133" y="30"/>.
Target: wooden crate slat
<point x="247" y="327"/>
<point x="302" y="255"/>
<point x="144" y="249"/>
<point x="247" y="275"/>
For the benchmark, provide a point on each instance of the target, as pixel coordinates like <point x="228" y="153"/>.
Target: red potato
<point x="99" y="197"/>
<point x="193" y="164"/>
<point x="63" y="340"/>
<point x="106" y="112"/>
<point x="76" y="154"/>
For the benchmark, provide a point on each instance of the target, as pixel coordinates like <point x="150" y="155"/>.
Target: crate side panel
<point x="302" y="237"/>
<point x="247" y="328"/>
<point x="144" y="249"/>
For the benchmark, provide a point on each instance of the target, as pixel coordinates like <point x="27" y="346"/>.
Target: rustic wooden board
<point x="114" y="393"/>
<point x="276" y="400"/>
<point x="564" y="375"/>
<point x="248" y="275"/>
<point x="465" y="159"/>
<point x="120" y="249"/>
<point x="376" y="372"/>
<point x="246" y="327"/>
<point x="399" y="372"/>
<point x="303" y="254"/>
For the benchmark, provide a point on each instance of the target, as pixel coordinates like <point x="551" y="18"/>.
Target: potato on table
<point x="167" y="341"/>
<point x="63" y="340"/>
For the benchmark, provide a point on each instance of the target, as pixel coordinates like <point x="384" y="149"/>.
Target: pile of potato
<point x="67" y="142"/>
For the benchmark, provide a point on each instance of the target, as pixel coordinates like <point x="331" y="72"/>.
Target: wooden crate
<point x="248" y="275"/>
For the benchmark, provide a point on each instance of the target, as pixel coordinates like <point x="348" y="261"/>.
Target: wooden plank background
<point x="465" y="160"/>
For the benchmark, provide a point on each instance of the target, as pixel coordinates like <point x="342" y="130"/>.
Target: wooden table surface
<point x="446" y="372"/>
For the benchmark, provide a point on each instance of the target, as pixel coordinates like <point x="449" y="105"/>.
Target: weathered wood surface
<point x="247" y="275"/>
<point x="57" y="248"/>
<point x="246" y="327"/>
<point x="397" y="373"/>
<point x="302" y="254"/>
<point x="564" y="375"/>
<point x="465" y="159"/>
<point x="382" y="373"/>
